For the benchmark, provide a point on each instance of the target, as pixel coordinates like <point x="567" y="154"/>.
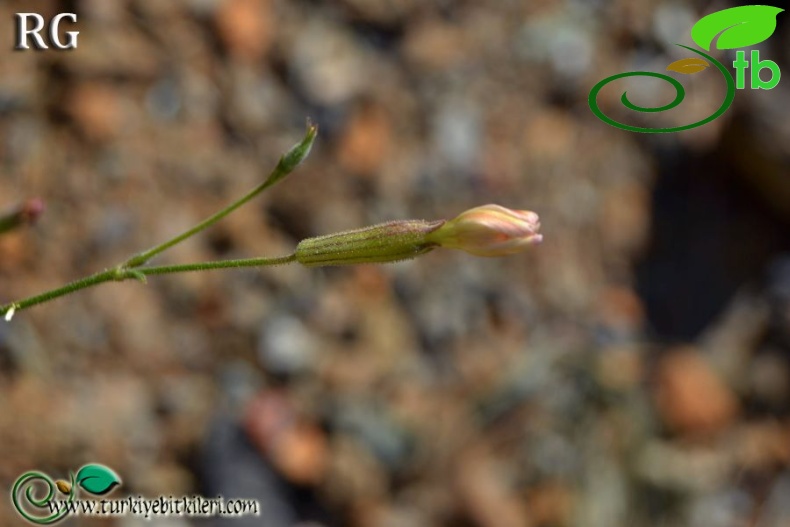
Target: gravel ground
<point x="632" y="370"/>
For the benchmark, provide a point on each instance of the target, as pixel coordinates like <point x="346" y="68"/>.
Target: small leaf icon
<point x="97" y="479"/>
<point x="739" y="27"/>
<point x="63" y="486"/>
<point x="687" y="66"/>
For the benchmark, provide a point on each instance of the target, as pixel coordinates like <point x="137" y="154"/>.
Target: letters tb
<point x="24" y="33"/>
<point x="741" y="64"/>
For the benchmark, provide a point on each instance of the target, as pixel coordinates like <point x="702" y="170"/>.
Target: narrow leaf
<point x="739" y="27"/>
<point x="687" y="66"/>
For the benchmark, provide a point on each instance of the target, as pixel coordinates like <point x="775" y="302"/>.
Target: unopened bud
<point x="298" y="153"/>
<point x="489" y="230"/>
<point x="386" y="242"/>
<point x="26" y="213"/>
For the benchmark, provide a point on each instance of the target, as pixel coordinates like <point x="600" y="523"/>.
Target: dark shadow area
<point x="713" y="231"/>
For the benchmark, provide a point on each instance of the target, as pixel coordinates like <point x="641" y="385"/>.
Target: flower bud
<point x="26" y="213"/>
<point x="295" y="155"/>
<point x="386" y="242"/>
<point x="489" y="230"/>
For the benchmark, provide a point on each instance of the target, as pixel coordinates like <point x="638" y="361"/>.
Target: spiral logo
<point x="680" y="94"/>
<point x="34" y="493"/>
<point x="24" y="496"/>
<point x="732" y="28"/>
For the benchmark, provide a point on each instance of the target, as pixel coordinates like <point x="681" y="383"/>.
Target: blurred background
<point x="633" y="370"/>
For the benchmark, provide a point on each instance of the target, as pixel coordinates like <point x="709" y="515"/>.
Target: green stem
<point x="143" y="257"/>
<point x="88" y="281"/>
<point x="221" y="264"/>
<point x="122" y="273"/>
<point x="132" y="268"/>
<point x="287" y="163"/>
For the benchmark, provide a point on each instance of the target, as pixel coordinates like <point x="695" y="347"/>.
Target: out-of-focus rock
<point x="730" y="342"/>
<point x="365" y="143"/>
<point x="690" y="396"/>
<point x="17" y="251"/>
<point x="300" y="453"/>
<point x="97" y="110"/>
<point x="625" y="221"/>
<point x="620" y="368"/>
<point x="387" y="13"/>
<point x="722" y="508"/>
<point x="672" y="467"/>
<point x="286" y="346"/>
<point x="769" y="380"/>
<point x="296" y="447"/>
<point x="762" y="446"/>
<point x="433" y="45"/>
<point x="355" y="474"/>
<point x="621" y="313"/>
<point x="550" y="504"/>
<point x="775" y="512"/>
<point x="549" y="135"/>
<point x="485" y="493"/>
<point x="328" y="64"/>
<point x="245" y="27"/>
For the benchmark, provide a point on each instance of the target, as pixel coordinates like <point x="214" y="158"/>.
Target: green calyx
<point x="385" y="242"/>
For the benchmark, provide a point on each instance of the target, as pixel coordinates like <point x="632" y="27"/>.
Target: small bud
<point x="26" y="213"/>
<point x="31" y="210"/>
<point x="298" y="153"/>
<point x="386" y="242"/>
<point x="489" y="230"/>
<point x="63" y="486"/>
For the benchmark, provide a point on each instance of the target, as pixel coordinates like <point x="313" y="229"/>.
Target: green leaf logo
<point x="739" y="27"/>
<point x="97" y="479"/>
